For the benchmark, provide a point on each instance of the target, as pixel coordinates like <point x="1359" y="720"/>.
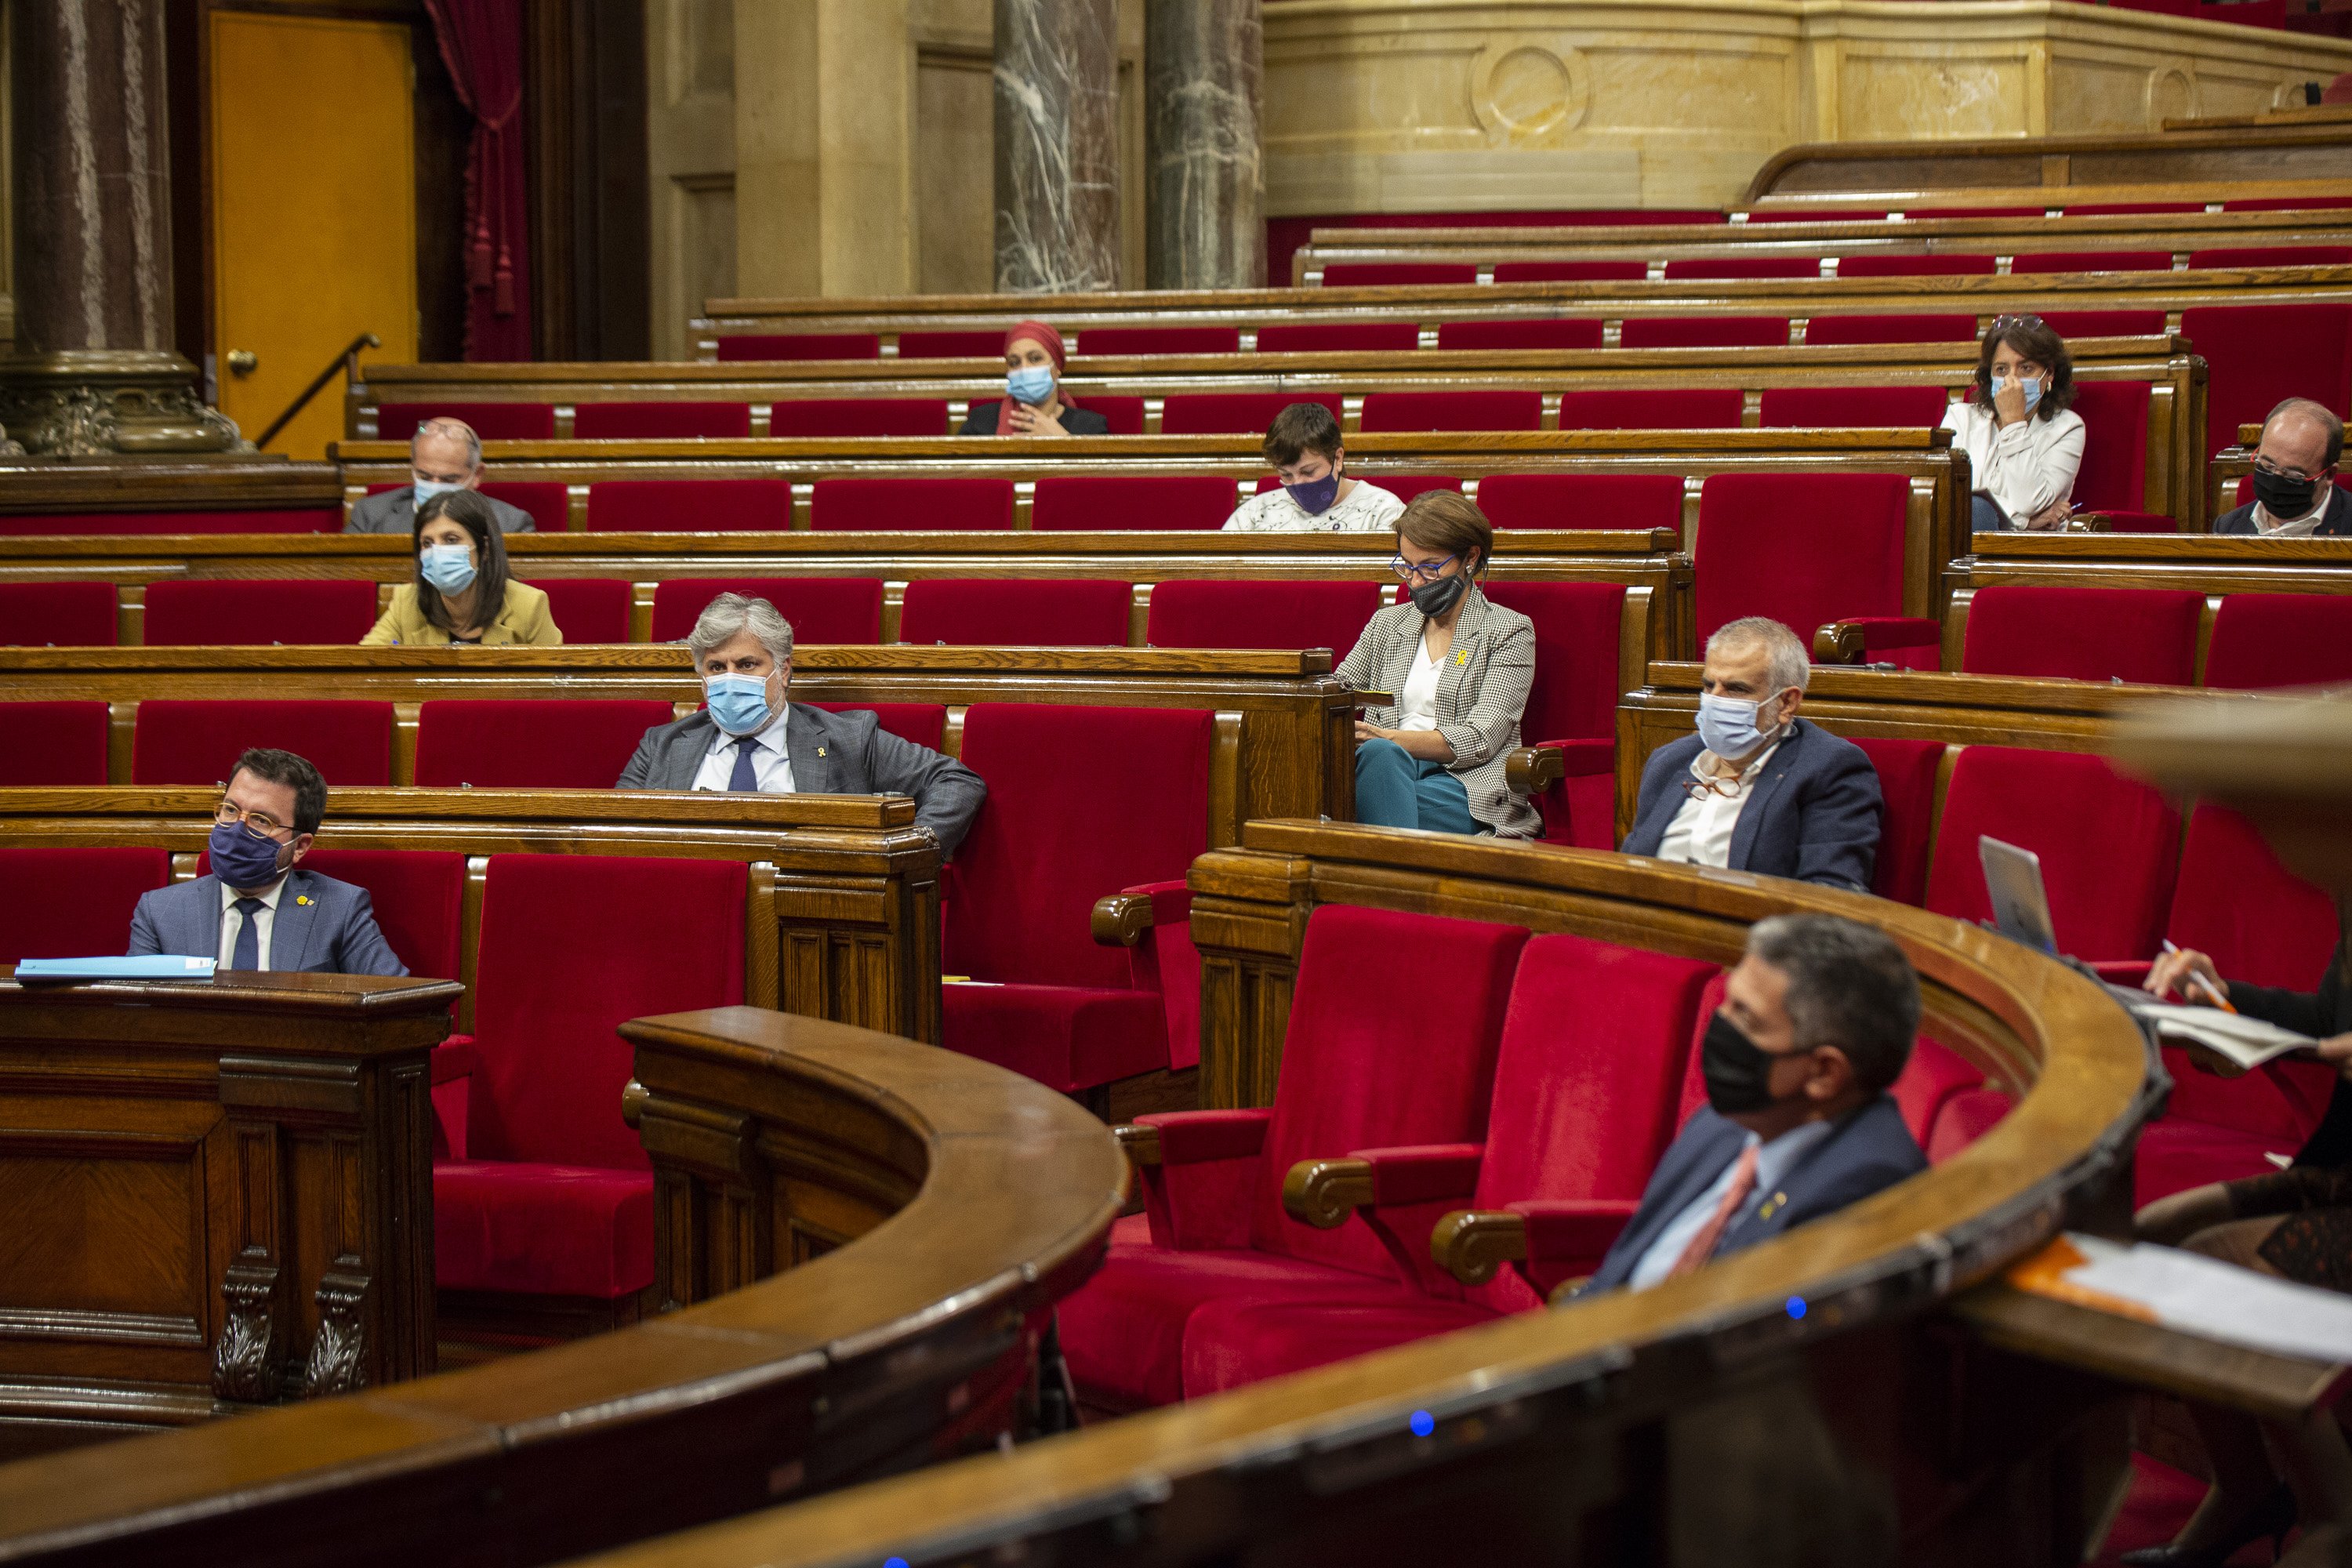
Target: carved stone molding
<point x="103" y="401"/>
<point x="242" y="1368"/>
<point x="339" y="1356"/>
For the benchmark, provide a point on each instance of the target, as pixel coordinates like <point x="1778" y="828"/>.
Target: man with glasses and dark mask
<point x="1816" y="1024"/>
<point x="257" y="908"/>
<point x="2296" y="494"/>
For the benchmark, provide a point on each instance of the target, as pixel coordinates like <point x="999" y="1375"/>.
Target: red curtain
<point x="481" y="42"/>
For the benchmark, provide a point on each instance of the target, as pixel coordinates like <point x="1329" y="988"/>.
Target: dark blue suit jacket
<point x="334" y="933"/>
<point x="1871" y="1149"/>
<point x="1814" y="814"/>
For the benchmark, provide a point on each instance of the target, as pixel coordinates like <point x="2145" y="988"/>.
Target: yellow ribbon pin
<point x="820" y="750"/>
<point x="1462" y="655"/>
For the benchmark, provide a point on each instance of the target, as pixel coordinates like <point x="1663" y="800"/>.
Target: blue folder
<point x="150" y="966"/>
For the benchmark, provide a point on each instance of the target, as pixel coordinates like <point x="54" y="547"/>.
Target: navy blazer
<point x="334" y="933"/>
<point x="2336" y="521"/>
<point x="1870" y="1150"/>
<point x="1813" y="814"/>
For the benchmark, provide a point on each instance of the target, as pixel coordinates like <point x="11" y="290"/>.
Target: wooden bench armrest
<point x="1120" y="919"/>
<point x="1853" y="641"/>
<point x="1141" y="1145"/>
<point x="1473" y="1244"/>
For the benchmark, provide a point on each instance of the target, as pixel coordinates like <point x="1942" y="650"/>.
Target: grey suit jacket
<point x="334" y="933"/>
<point x="394" y="511"/>
<point x="832" y="753"/>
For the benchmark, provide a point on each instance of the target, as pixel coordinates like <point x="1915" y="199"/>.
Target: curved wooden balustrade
<point x="937" y="1205"/>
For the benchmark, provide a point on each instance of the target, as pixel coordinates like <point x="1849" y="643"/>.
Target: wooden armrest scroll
<point x="1141" y="1144"/>
<point x="1324" y="1193"/>
<point x="1840" y="642"/>
<point x="1473" y="1244"/>
<point x="1121" y="919"/>
<point x="1531" y="769"/>
<point x="633" y="1096"/>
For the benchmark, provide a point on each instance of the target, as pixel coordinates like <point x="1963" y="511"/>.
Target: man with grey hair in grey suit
<point x="748" y="737"/>
<point x="444" y="455"/>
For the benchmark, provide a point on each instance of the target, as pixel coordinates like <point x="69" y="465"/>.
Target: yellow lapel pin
<point x="301" y="897"/>
<point x="1462" y="655"/>
<point x="820" y="750"/>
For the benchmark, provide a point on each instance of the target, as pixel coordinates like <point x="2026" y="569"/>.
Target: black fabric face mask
<point x="1739" y="1072"/>
<point x="1432" y="599"/>
<point x="2281" y="497"/>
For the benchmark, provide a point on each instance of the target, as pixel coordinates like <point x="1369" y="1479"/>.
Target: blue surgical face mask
<point x="426" y="489"/>
<point x="1727" y="727"/>
<point x="448" y="567"/>
<point x="242" y="860"/>
<point x="738" y="703"/>
<point x="1031" y="384"/>
<point x="2031" y="387"/>
<point x="1315" y="496"/>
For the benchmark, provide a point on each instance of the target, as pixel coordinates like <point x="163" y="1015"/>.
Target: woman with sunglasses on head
<point x="2025" y="443"/>
<point x="460" y="593"/>
<point x="1458" y="667"/>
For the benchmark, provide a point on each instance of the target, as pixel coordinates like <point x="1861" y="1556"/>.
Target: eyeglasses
<point x="2264" y="465"/>
<point x="2029" y="323"/>
<point x="259" y="822"/>
<point x="1426" y="570"/>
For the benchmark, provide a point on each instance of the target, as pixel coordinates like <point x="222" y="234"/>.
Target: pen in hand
<point x="2191" y="977"/>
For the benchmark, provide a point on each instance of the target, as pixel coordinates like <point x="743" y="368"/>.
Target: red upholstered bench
<point x="2105" y="323"/>
<point x="1847" y="331"/>
<point x="1651" y="408"/>
<point x="925" y="505"/>
<point x="802" y="345"/>
<point x="657" y="421"/>
<point x="53" y="743"/>
<point x="924" y="723"/>
<point x="1016" y="612"/>
<point x="1376" y="274"/>
<point x="1699" y="268"/>
<point x="1079" y="502"/>
<point x="2280" y="639"/>
<point x="73" y="902"/>
<point x="1880" y="264"/>
<point x="1232" y="413"/>
<point x="249" y="612"/>
<point x="1338" y="337"/>
<point x="550" y="504"/>
<point x="690" y="506"/>
<point x="1569" y="272"/>
<point x="2229" y="258"/>
<point x="1704" y="332"/>
<point x="2091" y="262"/>
<point x="57" y="615"/>
<point x="854" y="417"/>
<point x="1851" y="408"/>
<point x="1100" y="343"/>
<point x="198" y="743"/>
<point x="1571" y="706"/>
<point x="1224" y="612"/>
<point x="1809" y="549"/>
<point x="1494" y="408"/>
<point x="986" y="343"/>
<point x="2258" y="355"/>
<point x="1515" y="333"/>
<point x="1907" y="771"/>
<point x="2145" y="636"/>
<point x="1582" y="501"/>
<point x="538" y="743"/>
<point x="491" y="421"/>
<point x="419" y="897"/>
<point x="2114" y="475"/>
<point x="821" y="609"/>
<point x="275" y="520"/>
<point x="588" y="609"/>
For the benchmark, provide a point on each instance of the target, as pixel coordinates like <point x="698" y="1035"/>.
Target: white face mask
<point x="1728" y="725"/>
<point x="426" y="489"/>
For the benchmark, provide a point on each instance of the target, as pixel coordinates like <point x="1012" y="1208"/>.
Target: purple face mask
<point x="1315" y="496"/>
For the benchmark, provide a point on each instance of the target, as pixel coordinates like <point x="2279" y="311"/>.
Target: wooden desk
<point x="215" y="1193"/>
<point x="33" y="485"/>
<point x="2213" y="564"/>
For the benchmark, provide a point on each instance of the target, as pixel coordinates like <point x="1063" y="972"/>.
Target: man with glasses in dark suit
<point x="2296" y="493"/>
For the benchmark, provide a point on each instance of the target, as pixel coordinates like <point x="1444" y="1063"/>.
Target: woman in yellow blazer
<point x="459" y="591"/>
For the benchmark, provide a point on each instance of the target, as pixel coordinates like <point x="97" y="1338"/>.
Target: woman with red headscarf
<point x="1033" y="403"/>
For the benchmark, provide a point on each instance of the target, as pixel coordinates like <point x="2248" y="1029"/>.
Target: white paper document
<point x="2197" y="1295"/>
<point x="2249" y="1042"/>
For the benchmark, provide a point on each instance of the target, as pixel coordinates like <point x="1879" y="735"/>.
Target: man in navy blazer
<point x="1758" y="789"/>
<point x="1816" y="1023"/>
<point x="256" y="909"/>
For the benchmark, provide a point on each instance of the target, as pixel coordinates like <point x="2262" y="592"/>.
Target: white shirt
<point x="1367" y="509"/>
<point x="2294" y="527"/>
<point x="1773" y="1162"/>
<point x="770" y="764"/>
<point x="233" y="923"/>
<point x="1700" y="834"/>
<point x="2023" y="466"/>
<point x="1417" y="703"/>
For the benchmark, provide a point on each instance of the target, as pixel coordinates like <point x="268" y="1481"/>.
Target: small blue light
<point x="1796" y="1306"/>
<point x="894" y="1562"/>
<point x="1423" y="1423"/>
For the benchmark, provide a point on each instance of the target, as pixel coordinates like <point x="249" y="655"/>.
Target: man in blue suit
<point x="257" y="908"/>
<point x="1758" y="789"/>
<point x="1817" y="1021"/>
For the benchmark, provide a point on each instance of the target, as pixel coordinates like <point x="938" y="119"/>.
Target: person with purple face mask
<point x="258" y="908"/>
<point x="1317" y="495"/>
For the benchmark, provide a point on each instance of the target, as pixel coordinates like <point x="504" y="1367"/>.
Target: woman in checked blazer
<point x="1460" y="667"/>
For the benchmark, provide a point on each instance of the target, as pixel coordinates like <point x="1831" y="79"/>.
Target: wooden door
<point x="313" y="169"/>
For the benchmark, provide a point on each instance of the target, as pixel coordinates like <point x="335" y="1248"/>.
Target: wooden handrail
<point x="348" y="361"/>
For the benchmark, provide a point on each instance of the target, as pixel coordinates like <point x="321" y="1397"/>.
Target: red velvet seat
<point x="1079" y="502"/>
<point x="1906" y="787"/>
<point x="1698" y="268"/>
<point x="2262" y="640"/>
<point x="1651" y="408"/>
<point x="2114" y="475"/>
<point x="255" y="611"/>
<point x="2091" y="262"/>
<point x="1338" y="337"/>
<point x="1851" y="408"/>
<point x="1383" y="274"/>
<point x="551" y="1194"/>
<point x="1571" y="704"/>
<point x="57" y="615"/>
<point x="419" y="898"/>
<point x="1122" y="416"/>
<point x="1582" y="501"/>
<point x="690" y="506"/>
<point x="2145" y="636"/>
<point x="198" y="743"/>
<point x="2105" y="323"/>
<point x="851" y="416"/>
<point x="1519" y="333"/>
<point x="925" y="723"/>
<point x="550" y="505"/>
<point x="1049" y="842"/>
<point x="588" y="609"/>
<point x="2286" y="203"/>
<point x="73" y="902"/>
<point x="1933" y="1077"/>
<point x="2260" y="355"/>
<point x="552" y="742"/>
<point x="53" y="742"/>
<point x="1106" y="342"/>
<point x="1494" y="408"/>
<point x="1814" y="215"/>
<point x="1232" y="413"/>
<point x="927" y="505"/>
<point x="1846" y="330"/>
<point x="957" y="344"/>
<point x="1213" y="612"/>
<point x="2108" y="846"/>
<point x="1965" y="1118"/>
<point x="1880" y="264"/>
<point x="1704" y="332"/>
<point x="266" y="520"/>
<point x="2229" y="258"/>
<point x="1569" y="272"/>
<point x="1404" y="487"/>
<point x="660" y="421"/>
<point x="803" y="345"/>
<point x="821" y="609"/>
<point x="1213" y="1204"/>
<point x="1807" y="550"/>
<point x="491" y="421"/>
<point x="1016" y="612"/>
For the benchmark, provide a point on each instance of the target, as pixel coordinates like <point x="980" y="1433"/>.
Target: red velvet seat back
<point x="821" y="609"/>
<point x="1651" y="408"/>
<point x="1569" y="272"/>
<point x="73" y="902"/>
<point x="419" y="898"/>
<point x="1815" y="215"/>
<point x="2114" y="475"/>
<point x="57" y="615"/>
<point x="53" y="742"/>
<point x="2108" y="846"/>
<point x="659" y="421"/>
<point x="1727" y="267"/>
<point x="1704" y="332"/>
<point x="1356" y="1076"/>
<point x="854" y="416"/>
<point x="928" y="505"/>
<point x="2280" y="639"/>
<point x="1494" y="408"/>
<point x="2230" y="257"/>
<point x="1103" y="343"/>
<point x="571" y="947"/>
<point x="550" y="505"/>
<point x="197" y="742"/>
<point x="1404" y="487"/>
<point x="2146" y="635"/>
<point x="1078" y="502"/>
<point x="690" y="506"/>
<point x="1338" y="337"/>
<point x="1867" y="328"/>
<point x="961" y="344"/>
<point x="1851" y="408"/>
<point x="1576" y="688"/>
<point x="1122" y="415"/>
<point x="1519" y="333"/>
<point x="1016" y="612"/>
<point x="1380" y="274"/>
<point x="1210" y="612"/>
<point x="1879" y="264"/>
<point x="1232" y="413"/>
<point x="1804" y="549"/>
<point x="1693" y="1093"/>
<point x="491" y="421"/>
<point x="804" y="345"/>
<point x="2105" y="323"/>
<point x="2091" y="262"/>
<point x="1582" y="501"/>
<point x="1906" y="788"/>
<point x="554" y="743"/>
<point x="1587" y="1078"/>
<point x="925" y="723"/>
<point x="1056" y="832"/>
<point x="257" y="611"/>
<point x="588" y="609"/>
<point x="268" y="519"/>
<point x="2260" y="355"/>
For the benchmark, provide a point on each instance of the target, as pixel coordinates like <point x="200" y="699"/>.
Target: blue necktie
<point x="746" y="777"/>
<point x="247" y="954"/>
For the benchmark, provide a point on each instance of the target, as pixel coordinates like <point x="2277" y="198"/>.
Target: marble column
<point x="1056" y="145"/>
<point x="1203" y="62"/>
<point x="93" y="369"/>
